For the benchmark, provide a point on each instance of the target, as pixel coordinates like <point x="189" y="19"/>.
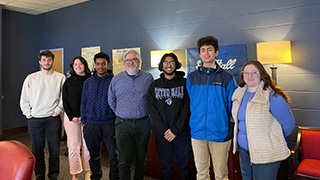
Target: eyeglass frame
<point x="132" y="60"/>
<point x="166" y="63"/>
<point x="253" y="73"/>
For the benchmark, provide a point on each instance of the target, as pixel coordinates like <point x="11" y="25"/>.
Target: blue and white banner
<point x="231" y="58"/>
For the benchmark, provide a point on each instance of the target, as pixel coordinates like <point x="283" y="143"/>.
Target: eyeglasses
<point x="130" y="60"/>
<point x="253" y="73"/>
<point x="165" y="63"/>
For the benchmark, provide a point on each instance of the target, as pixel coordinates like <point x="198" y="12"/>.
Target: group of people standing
<point x="258" y="107"/>
<point x="190" y="115"/>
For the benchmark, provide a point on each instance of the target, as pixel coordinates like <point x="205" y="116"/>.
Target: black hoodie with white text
<point x="170" y="105"/>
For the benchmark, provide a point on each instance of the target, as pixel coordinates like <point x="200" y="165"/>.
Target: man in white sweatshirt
<point x="41" y="103"/>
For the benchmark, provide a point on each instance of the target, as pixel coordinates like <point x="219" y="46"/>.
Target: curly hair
<point x="208" y="40"/>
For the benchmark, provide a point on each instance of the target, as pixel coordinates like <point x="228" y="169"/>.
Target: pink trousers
<point x="77" y="149"/>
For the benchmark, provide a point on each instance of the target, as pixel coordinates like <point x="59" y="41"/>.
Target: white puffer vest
<point x="265" y="136"/>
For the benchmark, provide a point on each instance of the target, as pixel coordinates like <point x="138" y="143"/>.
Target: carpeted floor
<point x="21" y="134"/>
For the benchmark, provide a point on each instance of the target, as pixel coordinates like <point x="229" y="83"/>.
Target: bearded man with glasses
<point x="128" y="98"/>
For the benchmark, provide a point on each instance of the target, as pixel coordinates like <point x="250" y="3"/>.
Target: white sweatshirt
<point x="41" y="94"/>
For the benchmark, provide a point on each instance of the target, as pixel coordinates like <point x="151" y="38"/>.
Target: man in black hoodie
<point x="169" y="110"/>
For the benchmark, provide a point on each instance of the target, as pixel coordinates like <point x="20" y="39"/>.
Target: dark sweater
<point x="94" y="102"/>
<point x="71" y="95"/>
<point x="169" y="105"/>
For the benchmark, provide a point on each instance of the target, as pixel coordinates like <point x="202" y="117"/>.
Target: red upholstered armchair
<point x="16" y="161"/>
<point x="308" y="148"/>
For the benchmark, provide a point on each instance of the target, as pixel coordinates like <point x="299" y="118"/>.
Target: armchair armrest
<point x="293" y="153"/>
<point x="293" y="160"/>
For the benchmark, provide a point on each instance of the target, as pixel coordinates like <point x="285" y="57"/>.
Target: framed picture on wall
<point x="88" y="54"/>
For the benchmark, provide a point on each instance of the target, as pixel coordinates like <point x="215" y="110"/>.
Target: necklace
<point x="251" y="96"/>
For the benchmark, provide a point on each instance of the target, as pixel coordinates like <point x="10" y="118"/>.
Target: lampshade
<point x="274" y="52"/>
<point x="156" y="56"/>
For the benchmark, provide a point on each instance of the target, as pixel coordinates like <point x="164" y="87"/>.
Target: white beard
<point x="132" y="71"/>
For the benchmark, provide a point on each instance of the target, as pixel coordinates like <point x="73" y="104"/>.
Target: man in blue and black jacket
<point x="210" y="89"/>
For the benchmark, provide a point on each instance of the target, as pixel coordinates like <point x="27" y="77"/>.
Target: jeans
<point x="94" y="134"/>
<point x="39" y="129"/>
<point x="250" y="171"/>
<point x="179" y="149"/>
<point x="132" y="139"/>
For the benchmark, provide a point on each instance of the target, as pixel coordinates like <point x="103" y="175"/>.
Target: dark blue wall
<point x="18" y="60"/>
<point x="177" y="24"/>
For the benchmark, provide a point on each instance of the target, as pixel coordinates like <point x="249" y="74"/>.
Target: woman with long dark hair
<point x="72" y="90"/>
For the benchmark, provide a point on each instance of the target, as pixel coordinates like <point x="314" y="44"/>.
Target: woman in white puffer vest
<point x="262" y="121"/>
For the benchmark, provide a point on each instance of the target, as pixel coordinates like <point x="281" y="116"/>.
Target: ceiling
<point x="36" y="7"/>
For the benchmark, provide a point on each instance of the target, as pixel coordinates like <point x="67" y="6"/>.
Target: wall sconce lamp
<point x="273" y="53"/>
<point x="156" y="56"/>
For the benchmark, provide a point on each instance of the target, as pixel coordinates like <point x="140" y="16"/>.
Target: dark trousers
<point x="179" y="149"/>
<point x="132" y="141"/>
<point x="39" y="129"/>
<point x="94" y="134"/>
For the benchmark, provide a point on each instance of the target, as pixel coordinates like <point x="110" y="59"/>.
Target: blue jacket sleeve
<point x="230" y="89"/>
<point x="188" y="86"/>
<point x="280" y="110"/>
